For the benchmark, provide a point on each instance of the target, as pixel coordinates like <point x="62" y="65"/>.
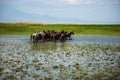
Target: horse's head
<point x="72" y="32"/>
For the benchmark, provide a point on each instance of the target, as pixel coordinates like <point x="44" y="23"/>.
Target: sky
<point x="61" y="11"/>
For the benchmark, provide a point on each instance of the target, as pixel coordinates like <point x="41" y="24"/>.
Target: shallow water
<point x="84" y="57"/>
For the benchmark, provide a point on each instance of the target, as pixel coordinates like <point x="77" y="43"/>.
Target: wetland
<point x="86" y="57"/>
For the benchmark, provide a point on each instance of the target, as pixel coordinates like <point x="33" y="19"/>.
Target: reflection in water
<point x="43" y="46"/>
<point x="47" y="46"/>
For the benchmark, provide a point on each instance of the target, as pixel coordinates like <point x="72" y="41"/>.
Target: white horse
<point x="35" y="37"/>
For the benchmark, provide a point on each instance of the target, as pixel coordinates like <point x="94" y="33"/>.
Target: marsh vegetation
<point x="88" y="29"/>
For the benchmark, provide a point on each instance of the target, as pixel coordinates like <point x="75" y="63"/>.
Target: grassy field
<point x="82" y="29"/>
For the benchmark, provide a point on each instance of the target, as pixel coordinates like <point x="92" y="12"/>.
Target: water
<point x="84" y="57"/>
<point x="82" y="39"/>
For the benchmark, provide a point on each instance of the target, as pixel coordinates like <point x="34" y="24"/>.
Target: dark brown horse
<point x="68" y="35"/>
<point x="56" y="36"/>
<point x="46" y="36"/>
<point x="63" y="36"/>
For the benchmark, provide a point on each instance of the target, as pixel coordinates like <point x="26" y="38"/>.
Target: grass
<point x="88" y="29"/>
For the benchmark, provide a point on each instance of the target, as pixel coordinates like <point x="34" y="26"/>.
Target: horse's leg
<point x="70" y="38"/>
<point x="42" y="38"/>
<point x="36" y="39"/>
<point x="61" y="38"/>
<point x="54" y="39"/>
<point x="33" y="39"/>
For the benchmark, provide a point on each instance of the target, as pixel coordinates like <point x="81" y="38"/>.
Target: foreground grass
<point x="26" y="29"/>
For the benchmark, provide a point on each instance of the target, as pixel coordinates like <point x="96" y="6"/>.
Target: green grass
<point x="89" y="29"/>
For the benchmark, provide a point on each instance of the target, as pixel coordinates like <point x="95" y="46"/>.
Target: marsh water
<point x="85" y="57"/>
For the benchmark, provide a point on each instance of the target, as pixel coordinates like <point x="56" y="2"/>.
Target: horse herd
<point x="51" y="35"/>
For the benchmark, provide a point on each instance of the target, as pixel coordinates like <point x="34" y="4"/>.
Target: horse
<point x="62" y="37"/>
<point x="56" y="36"/>
<point x="46" y="35"/>
<point x="43" y="34"/>
<point x="68" y="35"/>
<point x="35" y="37"/>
